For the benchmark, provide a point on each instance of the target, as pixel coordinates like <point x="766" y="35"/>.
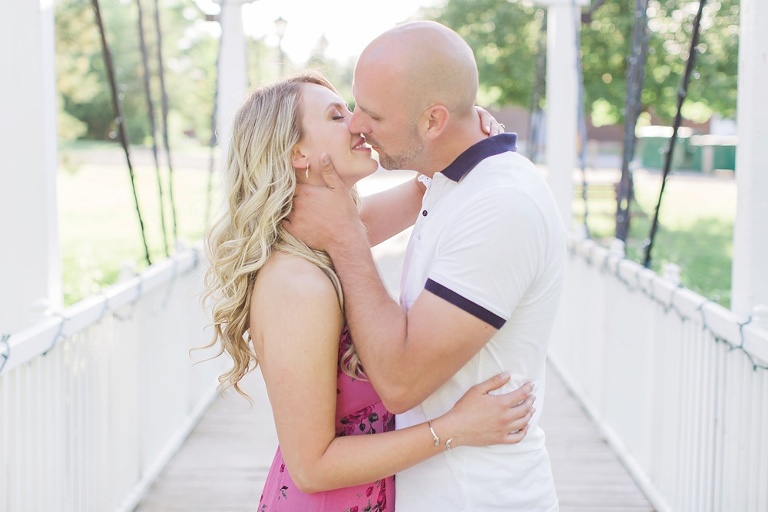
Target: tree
<point x="504" y="35"/>
<point x="190" y="55"/>
<point x="713" y="88"/>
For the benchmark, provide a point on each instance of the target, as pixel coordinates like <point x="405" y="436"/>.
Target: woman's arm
<point x="297" y="321"/>
<point x="389" y="212"/>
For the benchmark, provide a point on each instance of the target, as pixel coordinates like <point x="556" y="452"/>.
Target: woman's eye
<point x="338" y="117"/>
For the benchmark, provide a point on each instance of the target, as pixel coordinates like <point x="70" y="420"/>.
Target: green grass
<point x="99" y="229"/>
<point x="695" y="228"/>
<point x="98" y="224"/>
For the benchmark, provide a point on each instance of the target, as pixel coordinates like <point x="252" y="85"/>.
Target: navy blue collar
<point x="475" y="154"/>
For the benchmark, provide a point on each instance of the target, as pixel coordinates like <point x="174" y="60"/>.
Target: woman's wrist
<point x="443" y="432"/>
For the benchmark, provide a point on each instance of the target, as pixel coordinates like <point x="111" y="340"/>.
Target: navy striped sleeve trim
<point x="467" y="305"/>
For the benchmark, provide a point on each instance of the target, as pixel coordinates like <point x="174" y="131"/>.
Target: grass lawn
<point x="98" y="224"/>
<point x="695" y="227"/>
<point x="99" y="229"/>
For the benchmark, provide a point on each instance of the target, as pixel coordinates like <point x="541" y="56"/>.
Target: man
<point x="482" y="274"/>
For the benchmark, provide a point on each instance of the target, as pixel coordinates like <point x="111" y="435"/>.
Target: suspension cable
<point x="582" y="118"/>
<point x="120" y="120"/>
<point x="165" y="109"/>
<point x="151" y="117"/>
<point x="635" y="80"/>
<point x="539" y="80"/>
<point x="681" y="94"/>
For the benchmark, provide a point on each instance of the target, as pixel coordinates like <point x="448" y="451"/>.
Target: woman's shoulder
<point x="292" y="294"/>
<point x="292" y="277"/>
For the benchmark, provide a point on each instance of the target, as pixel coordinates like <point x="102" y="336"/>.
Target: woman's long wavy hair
<point x="260" y="182"/>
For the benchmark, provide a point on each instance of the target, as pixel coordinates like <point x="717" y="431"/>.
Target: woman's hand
<point x="482" y="419"/>
<point x="488" y="123"/>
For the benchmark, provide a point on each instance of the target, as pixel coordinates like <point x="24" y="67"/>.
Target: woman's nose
<point x="356" y="122"/>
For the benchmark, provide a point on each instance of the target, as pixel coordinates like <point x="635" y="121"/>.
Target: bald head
<point x="428" y="63"/>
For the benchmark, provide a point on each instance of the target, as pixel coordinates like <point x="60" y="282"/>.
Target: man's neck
<point x="443" y="151"/>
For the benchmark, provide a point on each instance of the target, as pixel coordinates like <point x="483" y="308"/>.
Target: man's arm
<point x="406" y="356"/>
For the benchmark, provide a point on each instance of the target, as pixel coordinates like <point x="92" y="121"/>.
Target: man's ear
<point x="436" y="118"/>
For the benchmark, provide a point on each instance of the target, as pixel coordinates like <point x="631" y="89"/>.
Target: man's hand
<point x="324" y="216"/>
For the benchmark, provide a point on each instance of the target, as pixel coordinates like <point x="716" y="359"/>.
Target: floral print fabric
<point x="359" y="411"/>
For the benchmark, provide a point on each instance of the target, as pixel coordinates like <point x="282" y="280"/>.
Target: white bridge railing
<point x="677" y="384"/>
<point x="93" y="402"/>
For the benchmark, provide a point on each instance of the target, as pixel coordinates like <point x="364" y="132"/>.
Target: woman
<point x="278" y="304"/>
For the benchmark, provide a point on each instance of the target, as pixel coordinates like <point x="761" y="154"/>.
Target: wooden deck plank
<point x="222" y="466"/>
<point x="588" y="475"/>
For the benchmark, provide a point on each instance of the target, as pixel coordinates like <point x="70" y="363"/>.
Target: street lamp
<point x="280" y="24"/>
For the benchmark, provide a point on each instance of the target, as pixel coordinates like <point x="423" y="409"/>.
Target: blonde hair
<point x="260" y="182"/>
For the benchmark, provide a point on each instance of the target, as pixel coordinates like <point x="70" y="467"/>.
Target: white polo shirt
<point x="489" y="240"/>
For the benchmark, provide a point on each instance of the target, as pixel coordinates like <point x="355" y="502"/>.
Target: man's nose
<point x="356" y="124"/>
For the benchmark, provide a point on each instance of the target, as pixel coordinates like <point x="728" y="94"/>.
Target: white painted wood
<point x="678" y="397"/>
<point x="87" y="426"/>
<point x="750" y="240"/>
<point x="562" y="103"/>
<point x="225" y="462"/>
<point x="233" y="76"/>
<point x="123" y="297"/>
<point x="28" y="160"/>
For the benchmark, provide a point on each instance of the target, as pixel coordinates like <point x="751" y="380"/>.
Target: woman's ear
<point x="298" y="159"/>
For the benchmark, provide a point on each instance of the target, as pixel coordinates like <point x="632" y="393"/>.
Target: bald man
<point x="482" y="275"/>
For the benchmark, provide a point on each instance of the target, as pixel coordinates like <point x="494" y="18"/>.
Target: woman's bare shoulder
<point x="289" y="281"/>
<point x="288" y="274"/>
<point x="292" y="295"/>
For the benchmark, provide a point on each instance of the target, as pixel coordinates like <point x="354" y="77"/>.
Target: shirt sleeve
<point x="490" y="254"/>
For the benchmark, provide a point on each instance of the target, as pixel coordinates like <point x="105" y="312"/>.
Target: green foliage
<point x="189" y="55"/>
<point x="713" y="85"/>
<point x="504" y="35"/>
<point x="696" y="227"/>
<point x="606" y="39"/>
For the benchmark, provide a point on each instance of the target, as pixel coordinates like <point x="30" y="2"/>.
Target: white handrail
<point x="95" y="401"/>
<point x="38" y="339"/>
<point x="677" y="384"/>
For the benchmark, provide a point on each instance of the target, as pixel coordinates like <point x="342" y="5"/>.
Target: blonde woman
<point x="278" y="304"/>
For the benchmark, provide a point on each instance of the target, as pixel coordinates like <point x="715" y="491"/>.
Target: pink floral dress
<point x="359" y="411"/>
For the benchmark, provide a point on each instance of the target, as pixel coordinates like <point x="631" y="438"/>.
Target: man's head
<point x="413" y="85"/>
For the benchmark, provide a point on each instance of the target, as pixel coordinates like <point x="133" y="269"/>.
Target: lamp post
<point x="280" y="24"/>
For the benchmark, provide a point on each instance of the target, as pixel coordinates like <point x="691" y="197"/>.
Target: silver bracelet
<point x="434" y="436"/>
<point x="448" y="444"/>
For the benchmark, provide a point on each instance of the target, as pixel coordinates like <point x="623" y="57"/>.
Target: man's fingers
<point x="328" y="172"/>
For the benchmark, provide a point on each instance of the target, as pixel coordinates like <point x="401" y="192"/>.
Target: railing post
<point x="760" y="316"/>
<point x="233" y="71"/>
<point x="563" y="18"/>
<point x="750" y="238"/>
<point x="30" y="274"/>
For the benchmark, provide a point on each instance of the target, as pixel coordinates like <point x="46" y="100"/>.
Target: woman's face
<point x="326" y="129"/>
